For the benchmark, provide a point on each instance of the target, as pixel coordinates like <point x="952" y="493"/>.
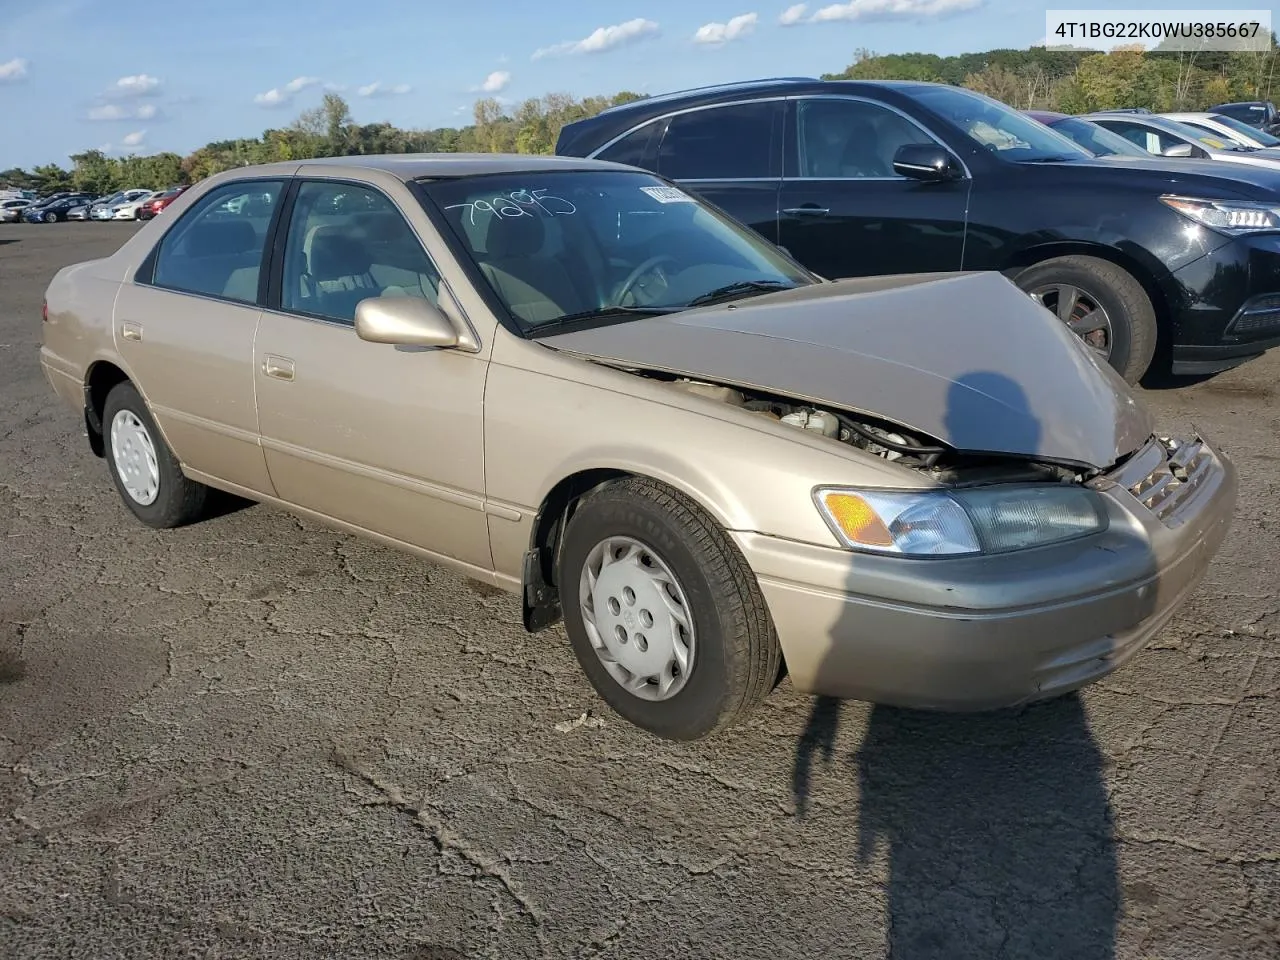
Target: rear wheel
<point x="665" y="616"/>
<point x="1102" y="304"/>
<point x="144" y="469"/>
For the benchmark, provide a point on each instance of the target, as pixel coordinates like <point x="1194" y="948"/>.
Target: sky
<point x="144" y="76"/>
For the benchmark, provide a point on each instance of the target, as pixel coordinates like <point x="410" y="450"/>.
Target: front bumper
<point x="1220" y="316"/>
<point x="991" y="632"/>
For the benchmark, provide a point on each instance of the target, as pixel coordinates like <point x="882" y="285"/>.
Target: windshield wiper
<point x="741" y="287"/>
<point x="1048" y="159"/>
<point x="601" y="313"/>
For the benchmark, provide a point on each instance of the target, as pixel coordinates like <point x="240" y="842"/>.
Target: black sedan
<point x="865" y="178"/>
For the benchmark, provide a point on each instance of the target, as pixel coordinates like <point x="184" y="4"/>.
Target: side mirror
<point x="1179" y="150"/>
<point x="925" y="161"/>
<point x="407" y="321"/>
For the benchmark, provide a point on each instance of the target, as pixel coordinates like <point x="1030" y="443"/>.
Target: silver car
<point x="1163" y="137"/>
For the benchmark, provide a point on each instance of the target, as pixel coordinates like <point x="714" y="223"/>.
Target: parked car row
<point x="1175" y="255"/>
<point x="133" y="204"/>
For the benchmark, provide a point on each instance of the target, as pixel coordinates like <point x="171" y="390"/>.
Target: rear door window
<point x="215" y="249"/>
<point x="734" y="142"/>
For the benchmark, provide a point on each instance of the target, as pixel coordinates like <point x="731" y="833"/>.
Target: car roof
<point x="422" y="166"/>
<point x="592" y="133"/>
<point x="1043" y="115"/>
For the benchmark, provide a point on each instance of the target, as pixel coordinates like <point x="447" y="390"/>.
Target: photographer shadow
<point x="995" y="828"/>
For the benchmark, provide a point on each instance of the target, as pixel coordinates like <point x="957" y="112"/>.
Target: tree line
<point x="1071" y="81"/>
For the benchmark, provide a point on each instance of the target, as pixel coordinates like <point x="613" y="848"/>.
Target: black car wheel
<point x="50" y="217"/>
<point x="665" y="616"/>
<point x="1102" y="304"/>
<point x="146" y="474"/>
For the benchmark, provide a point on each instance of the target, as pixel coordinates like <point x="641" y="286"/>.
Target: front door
<point x="844" y="212"/>
<point x="386" y="438"/>
<point x="185" y="327"/>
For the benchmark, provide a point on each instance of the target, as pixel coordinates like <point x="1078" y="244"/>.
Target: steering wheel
<point x="639" y="272"/>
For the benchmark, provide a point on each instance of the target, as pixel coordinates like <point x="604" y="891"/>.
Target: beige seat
<point x="537" y="287"/>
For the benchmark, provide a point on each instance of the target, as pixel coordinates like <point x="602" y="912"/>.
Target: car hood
<point x="965" y="358"/>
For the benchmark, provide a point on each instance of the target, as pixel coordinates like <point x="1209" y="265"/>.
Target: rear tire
<point x="1132" y="317"/>
<point x="145" y="472"/>
<point x="734" y="657"/>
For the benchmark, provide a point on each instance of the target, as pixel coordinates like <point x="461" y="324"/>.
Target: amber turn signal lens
<point x="857" y="520"/>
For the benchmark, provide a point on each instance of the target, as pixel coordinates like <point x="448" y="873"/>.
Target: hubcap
<point x="1081" y="312"/>
<point x="135" y="457"/>
<point x="637" y="618"/>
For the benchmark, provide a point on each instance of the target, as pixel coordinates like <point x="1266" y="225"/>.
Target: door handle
<point x="281" y="368"/>
<point x="130" y="330"/>
<point x="807" y="211"/>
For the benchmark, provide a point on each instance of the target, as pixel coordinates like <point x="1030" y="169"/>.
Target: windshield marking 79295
<point x="519" y="203"/>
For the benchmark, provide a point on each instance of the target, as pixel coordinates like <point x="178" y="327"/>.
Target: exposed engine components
<point x="882" y="439"/>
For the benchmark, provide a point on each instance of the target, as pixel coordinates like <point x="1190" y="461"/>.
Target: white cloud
<point x="13" y="70"/>
<point x="602" y="39"/>
<point x="133" y="139"/>
<point x="279" y="96"/>
<point x="108" y="111"/>
<point x="892" y="9"/>
<point x="113" y="111"/>
<point x="793" y="14"/>
<point x="139" y="85"/>
<point x="495" y="82"/>
<point x="379" y="89"/>
<point x="736" y="28"/>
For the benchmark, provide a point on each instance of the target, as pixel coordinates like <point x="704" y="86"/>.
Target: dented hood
<point x="966" y="358"/>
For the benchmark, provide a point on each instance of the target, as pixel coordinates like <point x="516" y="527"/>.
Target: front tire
<point x="1102" y="304"/>
<point x="50" y="217"/>
<point x="145" y="472"/>
<point x="665" y="616"/>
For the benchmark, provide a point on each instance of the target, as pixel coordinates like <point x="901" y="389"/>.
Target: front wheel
<point x="145" y="471"/>
<point x="1102" y="304"/>
<point x="50" y="217"/>
<point x="665" y="616"/>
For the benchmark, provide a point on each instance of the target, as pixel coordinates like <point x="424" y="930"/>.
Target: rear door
<point x="844" y="212"/>
<point x="185" y="329"/>
<point x="730" y="154"/>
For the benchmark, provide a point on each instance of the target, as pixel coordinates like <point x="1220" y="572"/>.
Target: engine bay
<point x="883" y="439"/>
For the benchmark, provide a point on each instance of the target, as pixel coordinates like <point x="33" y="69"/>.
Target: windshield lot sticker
<point x="519" y="203"/>
<point x="668" y="194"/>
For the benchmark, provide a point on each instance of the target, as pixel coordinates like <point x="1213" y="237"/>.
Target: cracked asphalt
<point x="254" y="737"/>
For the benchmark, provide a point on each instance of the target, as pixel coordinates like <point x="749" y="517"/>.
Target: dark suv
<point x="861" y="178"/>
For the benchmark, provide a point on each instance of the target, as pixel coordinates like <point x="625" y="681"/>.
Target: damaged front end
<point x="882" y="438"/>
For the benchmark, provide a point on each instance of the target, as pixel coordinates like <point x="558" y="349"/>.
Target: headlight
<point x="1228" y="216"/>
<point x="954" y="523"/>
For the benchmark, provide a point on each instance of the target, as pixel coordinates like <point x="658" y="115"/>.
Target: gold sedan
<point x="575" y="381"/>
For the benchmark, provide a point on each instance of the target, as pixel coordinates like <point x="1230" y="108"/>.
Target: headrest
<point x="521" y="236"/>
<point x="221" y="238"/>
<point x="381" y="226"/>
<point x="336" y="255"/>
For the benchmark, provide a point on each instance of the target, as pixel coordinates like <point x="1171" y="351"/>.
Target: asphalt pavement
<point x="254" y="737"/>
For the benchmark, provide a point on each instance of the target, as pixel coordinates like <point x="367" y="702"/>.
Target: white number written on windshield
<point x="518" y="203"/>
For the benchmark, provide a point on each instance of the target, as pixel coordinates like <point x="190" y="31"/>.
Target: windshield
<point x="1251" y="133"/>
<point x="1099" y="141"/>
<point x="1006" y="132"/>
<point x="567" y="245"/>
<point x="1215" y="141"/>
